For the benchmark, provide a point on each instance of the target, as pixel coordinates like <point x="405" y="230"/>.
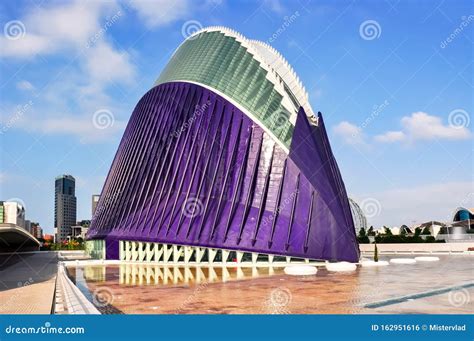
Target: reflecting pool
<point x="443" y="287"/>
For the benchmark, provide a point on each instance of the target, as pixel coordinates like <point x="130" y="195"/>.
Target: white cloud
<point x="24" y="85"/>
<point x="78" y="33"/>
<point x="104" y="64"/>
<point x="76" y="89"/>
<point x="390" y="136"/>
<point x="27" y="47"/>
<point x="350" y="133"/>
<point x="161" y="12"/>
<point x="81" y="127"/>
<point x="68" y="28"/>
<point x="421" y="204"/>
<point x="422" y="126"/>
<point x="52" y="29"/>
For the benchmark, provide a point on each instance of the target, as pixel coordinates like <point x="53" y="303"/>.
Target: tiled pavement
<point x="27" y="282"/>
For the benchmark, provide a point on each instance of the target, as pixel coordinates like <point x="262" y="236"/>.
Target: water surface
<point x="157" y="289"/>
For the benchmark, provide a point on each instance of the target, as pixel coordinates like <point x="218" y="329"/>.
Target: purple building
<point x="224" y="156"/>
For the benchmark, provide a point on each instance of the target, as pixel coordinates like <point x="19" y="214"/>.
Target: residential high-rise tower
<point x="64" y="206"/>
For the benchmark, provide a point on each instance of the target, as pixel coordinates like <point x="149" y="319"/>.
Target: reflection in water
<point x="158" y="289"/>
<point x="139" y="274"/>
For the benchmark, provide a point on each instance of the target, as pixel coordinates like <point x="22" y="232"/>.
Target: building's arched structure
<point x="224" y="155"/>
<point x="16" y="239"/>
<point x="464" y="217"/>
<point x="358" y="216"/>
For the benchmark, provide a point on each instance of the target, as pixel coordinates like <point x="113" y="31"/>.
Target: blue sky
<point x="393" y="80"/>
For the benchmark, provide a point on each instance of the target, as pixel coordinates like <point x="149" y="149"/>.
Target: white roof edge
<point x="293" y="81"/>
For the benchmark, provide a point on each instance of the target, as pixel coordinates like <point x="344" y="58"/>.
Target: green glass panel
<point x="221" y="62"/>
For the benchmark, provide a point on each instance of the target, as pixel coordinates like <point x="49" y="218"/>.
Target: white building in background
<point x="79" y="231"/>
<point x="14" y="213"/>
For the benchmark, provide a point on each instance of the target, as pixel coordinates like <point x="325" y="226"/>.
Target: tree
<point x="417" y="232"/>
<point x="387" y="231"/>
<point x="426" y="231"/>
<point x="362" y="237"/>
<point x="376" y="253"/>
<point x="371" y="232"/>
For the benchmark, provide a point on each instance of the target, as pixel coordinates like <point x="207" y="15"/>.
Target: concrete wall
<point x="417" y="247"/>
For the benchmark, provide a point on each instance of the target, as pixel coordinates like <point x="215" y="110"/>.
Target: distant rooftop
<point x="66" y="176"/>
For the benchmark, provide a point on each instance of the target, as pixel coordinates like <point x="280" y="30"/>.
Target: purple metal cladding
<point x="192" y="169"/>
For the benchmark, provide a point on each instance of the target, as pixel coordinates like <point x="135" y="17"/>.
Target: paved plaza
<point x="27" y="282"/>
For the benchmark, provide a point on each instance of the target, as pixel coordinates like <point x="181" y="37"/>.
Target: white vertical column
<point x="158" y="251"/>
<point x="166" y="253"/>
<point x="188" y="252"/>
<point x="240" y="255"/>
<point x="141" y="251"/>
<point x="212" y="254"/>
<point x="176" y="253"/>
<point x="225" y="255"/>
<point x="199" y="254"/>
<point x="134" y="251"/>
<point x="149" y="252"/>
<point x="254" y="257"/>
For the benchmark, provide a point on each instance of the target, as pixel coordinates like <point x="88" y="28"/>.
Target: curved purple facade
<point x="193" y="169"/>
